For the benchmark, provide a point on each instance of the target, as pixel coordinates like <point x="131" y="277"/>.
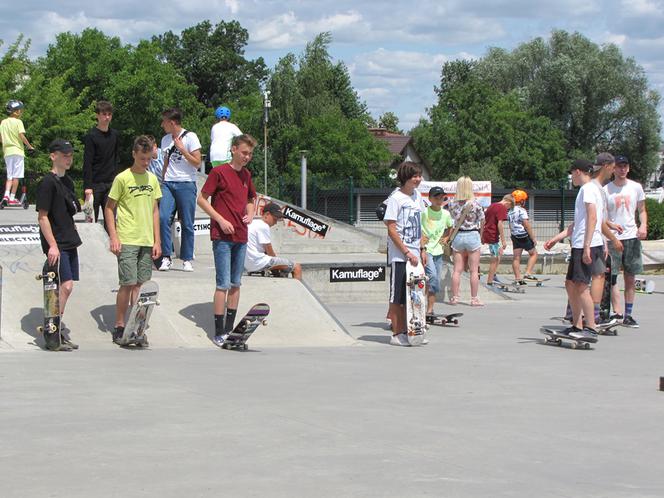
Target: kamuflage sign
<point x="19" y="234"/>
<point x="357" y="274"/>
<point x="316" y="226"/>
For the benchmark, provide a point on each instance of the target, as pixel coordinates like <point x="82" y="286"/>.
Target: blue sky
<point x="393" y="49"/>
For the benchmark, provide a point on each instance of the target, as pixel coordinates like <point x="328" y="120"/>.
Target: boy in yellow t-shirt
<point x="12" y="135"/>
<point x="135" y="238"/>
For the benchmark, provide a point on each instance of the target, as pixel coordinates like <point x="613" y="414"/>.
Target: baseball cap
<point x="60" y="145"/>
<point x="273" y="209"/>
<point x="622" y="160"/>
<point x="436" y="191"/>
<point x="603" y="158"/>
<point x="583" y="165"/>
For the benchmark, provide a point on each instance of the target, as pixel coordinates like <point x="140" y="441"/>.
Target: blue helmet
<point x="14" y="105"/>
<point x="222" y="112"/>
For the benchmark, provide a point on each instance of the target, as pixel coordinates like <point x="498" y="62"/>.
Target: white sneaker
<point x="165" y="264"/>
<point x="399" y="340"/>
<point x="425" y="340"/>
<point x="187" y="266"/>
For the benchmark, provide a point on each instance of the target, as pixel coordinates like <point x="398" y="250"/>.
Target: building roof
<point x="396" y="142"/>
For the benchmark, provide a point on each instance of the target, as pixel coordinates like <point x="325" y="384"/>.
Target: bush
<point x="655" y="219"/>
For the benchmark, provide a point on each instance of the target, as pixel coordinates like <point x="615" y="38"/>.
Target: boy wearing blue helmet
<point x="221" y="136"/>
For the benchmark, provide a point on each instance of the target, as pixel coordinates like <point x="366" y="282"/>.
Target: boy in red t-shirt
<point x="231" y="210"/>
<point x="494" y="233"/>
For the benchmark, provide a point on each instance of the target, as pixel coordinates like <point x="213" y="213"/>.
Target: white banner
<point x="481" y="189"/>
<point x="19" y="234"/>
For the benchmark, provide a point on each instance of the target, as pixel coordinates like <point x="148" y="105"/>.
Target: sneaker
<point x="571" y="331"/>
<point x="14" y="202"/>
<point x="165" y="264"/>
<point x="617" y="316"/>
<point x="5" y="199"/>
<point x="605" y="322"/>
<point x="399" y="340"/>
<point x="69" y="343"/>
<point x="61" y="347"/>
<point x="425" y="341"/>
<point x="586" y="333"/>
<point x="630" y="322"/>
<point x="117" y="334"/>
<point x="475" y="301"/>
<point x="187" y="266"/>
<point x="528" y="276"/>
<point x="219" y="340"/>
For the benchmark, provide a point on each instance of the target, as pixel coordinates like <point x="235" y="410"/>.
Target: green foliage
<point x="655" y="219"/>
<point x="390" y="122"/>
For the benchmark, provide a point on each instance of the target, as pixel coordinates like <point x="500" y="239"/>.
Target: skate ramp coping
<point x="184" y="318"/>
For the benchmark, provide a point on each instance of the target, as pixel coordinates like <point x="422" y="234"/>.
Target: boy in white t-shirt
<point x="221" y="136"/>
<point x="523" y="238"/>
<point x="404" y="231"/>
<point x="260" y="253"/>
<point x="625" y="197"/>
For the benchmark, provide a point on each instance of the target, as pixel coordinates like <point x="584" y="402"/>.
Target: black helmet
<point x="14" y="105"/>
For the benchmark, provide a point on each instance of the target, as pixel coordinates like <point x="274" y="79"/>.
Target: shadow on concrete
<point x="376" y="325"/>
<point x="104" y="316"/>
<point x="201" y="315"/>
<point x="383" y="339"/>
<point x="29" y="324"/>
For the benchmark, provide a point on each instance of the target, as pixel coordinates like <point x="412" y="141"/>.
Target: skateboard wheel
<point x="455" y="321"/>
<point x="264" y="322"/>
<point x="586" y="346"/>
<point x="157" y="302"/>
<point x="53" y="328"/>
<point x="40" y="329"/>
<point x="574" y="345"/>
<point x="245" y="347"/>
<point x="39" y="276"/>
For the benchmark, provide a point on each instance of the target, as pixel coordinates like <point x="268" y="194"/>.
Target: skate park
<point x="321" y="403"/>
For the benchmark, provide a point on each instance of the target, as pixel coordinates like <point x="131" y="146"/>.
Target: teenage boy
<point x="260" y="253"/>
<point x="436" y="226"/>
<point x="156" y="166"/>
<point x="100" y="158"/>
<point x="182" y="157"/>
<point x="12" y="136"/>
<point x="523" y="238"/>
<point x="221" y="137"/>
<point x="625" y="197"/>
<point x="494" y="233"/>
<point x="231" y="209"/>
<point x="56" y="206"/>
<point x="134" y="237"/>
<point x="403" y="218"/>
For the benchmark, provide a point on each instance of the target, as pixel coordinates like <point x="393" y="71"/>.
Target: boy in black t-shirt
<point x="56" y="206"/>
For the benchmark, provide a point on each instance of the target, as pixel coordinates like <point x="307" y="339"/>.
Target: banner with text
<point x="481" y="189"/>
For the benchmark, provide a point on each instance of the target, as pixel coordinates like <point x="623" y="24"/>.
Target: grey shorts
<point x="134" y="264"/>
<point x="277" y="261"/>
<point x="578" y="271"/>
<point x="629" y="260"/>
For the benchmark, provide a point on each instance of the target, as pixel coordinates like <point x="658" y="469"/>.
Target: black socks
<point x="230" y="320"/>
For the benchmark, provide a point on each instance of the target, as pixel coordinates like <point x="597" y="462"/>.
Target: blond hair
<point x="464" y="190"/>
<point x="509" y="199"/>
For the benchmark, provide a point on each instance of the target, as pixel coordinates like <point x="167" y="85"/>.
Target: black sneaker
<point x="117" y="334"/>
<point x="69" y="343"/>
<point x="520" y="282"/>
<point x="616" y="316"/>
<point x="570" y="331"/>
<point x="604" y="322"/>
<point x="589" y="333"/>
<point x="628" y="321"/>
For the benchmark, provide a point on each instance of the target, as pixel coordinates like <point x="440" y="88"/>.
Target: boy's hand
<point x="549" y="244"/>
<point x="586" y="256"/>
<point x="425" y="240"/>
<point x="412" y="258"/>
<point x="53" y="255"/>
<point x="246" y="219"/>
<point x="31" y="152"/>
<point x="179" y="145"/>
<point x="156" y="250"/>
<point x="115" y="246"/>
<point x="226" y="226"/>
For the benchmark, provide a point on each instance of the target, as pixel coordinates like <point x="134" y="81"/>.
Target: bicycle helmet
<point x="223" y="113"/>
<point x="519" y="196"/>
<point x="14" y="105"/>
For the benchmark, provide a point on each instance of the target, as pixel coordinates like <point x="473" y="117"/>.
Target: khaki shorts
<point x="134" y="265"/>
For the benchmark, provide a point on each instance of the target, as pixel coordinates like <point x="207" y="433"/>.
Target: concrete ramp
<point x="184" y="318"/>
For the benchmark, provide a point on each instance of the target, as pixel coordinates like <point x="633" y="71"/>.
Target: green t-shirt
<point x="434" y="224"/>
<point x="10" y="130"/>
<point x="135" y="194"/>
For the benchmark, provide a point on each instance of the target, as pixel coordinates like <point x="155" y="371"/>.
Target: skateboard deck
<point x="139" y="316"/>
<point x="256" y="316"/>
<point x="50" y="278"/>
<point x="602" y="329"/>
<point x="444" y="320"/>
<point x="508" y="287"/>
<point x="415" y="303"/>
<point x="644" y="286"/>
<point x="605" y="303"/>
<point x="537" y="281"/>
<point x="554" y="335"/>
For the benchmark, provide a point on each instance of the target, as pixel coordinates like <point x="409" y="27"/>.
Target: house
<point x="403" y="147"/>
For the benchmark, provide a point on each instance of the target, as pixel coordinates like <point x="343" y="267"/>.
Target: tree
<point x="390" y="122"/>
<point x="598" y="98"/>
<point x="212" y="59"/>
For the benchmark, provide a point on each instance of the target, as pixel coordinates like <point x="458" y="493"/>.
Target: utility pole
<point x="266" y="111"/>
<point x="303" y="179"/>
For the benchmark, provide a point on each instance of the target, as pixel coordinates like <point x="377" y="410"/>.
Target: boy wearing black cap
<point x="260" y="253"/>
<point x="436" y="226"/>
<point x="56" y="206"/>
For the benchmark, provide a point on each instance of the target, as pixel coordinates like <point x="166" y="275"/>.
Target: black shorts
<point x="68" y="265"/>
<point x="525" y="243"/>
<point x="578" y="271"/>
<point x="398" y="283"/>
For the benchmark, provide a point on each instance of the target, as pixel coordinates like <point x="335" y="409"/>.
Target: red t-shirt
<point x="231" y="191"/>
<point x="496" y="212"/>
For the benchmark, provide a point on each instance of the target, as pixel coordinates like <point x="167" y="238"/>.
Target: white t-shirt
<point x="179" y="169"/>
<point x="221" y="137"/>
<point x="406" y="210"/>
<point x="590" y="193"/>
<point x="259" y="235"/>
<point x="516" y="216"/>
<point x="623" y="202"/>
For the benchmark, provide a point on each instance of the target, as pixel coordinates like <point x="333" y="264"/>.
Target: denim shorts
<point x="467" y="241"/>
<point x="494" y="249"/>
<point x="434" y="270"/>
<point x="228" y="263"/>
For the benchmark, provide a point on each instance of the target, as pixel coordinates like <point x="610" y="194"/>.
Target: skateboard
<point x="554" y="335"/>
<point x="605" y="303"/>
<point x="139" y="316"/>
<point x="269" y="273"/>
<point x="256" y="316"/>
<point x="452" y="319"/>
<point x="644" y="286"/>
<point x="50" y="278"/>
<point x="508" y="287"/>
<point x="602" y="329"/>
<point x="415" y="303"/>
<point x="537" y="281"/>
<point x="88" y="208"/>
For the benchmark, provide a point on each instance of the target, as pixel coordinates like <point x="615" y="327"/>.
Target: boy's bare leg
<point x="516" y="264"/>
<point x="532" y="259"/>
<point x="398" y="314"/>
<point x="493" y="268"/>
<point x="219" y="301"/>
<point x="127" y="294"/>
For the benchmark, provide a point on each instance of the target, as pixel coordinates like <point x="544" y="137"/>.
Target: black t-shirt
<point x="100" y="157"/>
<point x="56" y="196"/>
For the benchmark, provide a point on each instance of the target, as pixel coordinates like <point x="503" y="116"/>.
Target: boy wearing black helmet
<point x="12" y="135"/>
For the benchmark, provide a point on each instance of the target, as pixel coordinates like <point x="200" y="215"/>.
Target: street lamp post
<point x="266" y="111"/>
<point x="303" y="178"/>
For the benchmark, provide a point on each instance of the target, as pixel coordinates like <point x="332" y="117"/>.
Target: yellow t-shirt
<point x="12" y="145"/>
<point x="135" y="194"/>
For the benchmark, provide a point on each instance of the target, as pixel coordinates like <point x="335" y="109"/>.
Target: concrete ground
<point x="484" y="410"/>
